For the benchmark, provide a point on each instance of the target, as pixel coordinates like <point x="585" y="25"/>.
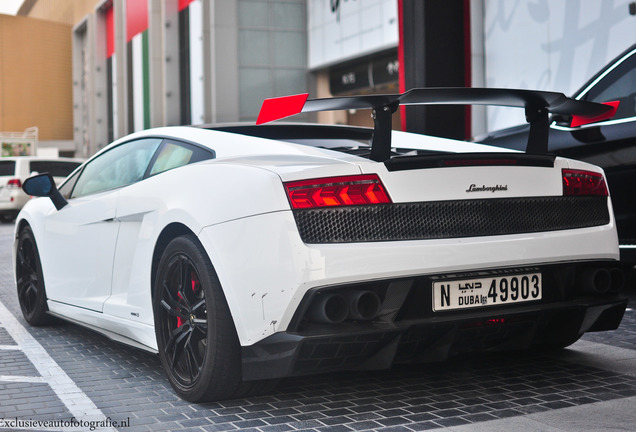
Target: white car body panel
<point x="122" y="330"/>
<point x="258" y="231"/>
<point x="85" y="221"/>
<point x="142" y="219"/>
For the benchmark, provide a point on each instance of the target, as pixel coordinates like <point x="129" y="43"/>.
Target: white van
<point x="14" y="170"/>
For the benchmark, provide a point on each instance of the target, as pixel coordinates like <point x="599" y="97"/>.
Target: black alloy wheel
<point x="29" y="280"/>
<point x="186" y="322"/>
<point x="197" y="341"/>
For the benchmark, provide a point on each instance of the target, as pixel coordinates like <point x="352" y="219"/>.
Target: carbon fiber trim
<point x="450" y="219"/>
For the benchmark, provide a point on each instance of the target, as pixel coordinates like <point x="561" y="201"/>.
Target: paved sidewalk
<point x="617" y="415"/>
<point x="44" y="375"/>
<point x="613" y="415"/>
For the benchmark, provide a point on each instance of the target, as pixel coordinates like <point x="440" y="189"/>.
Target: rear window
<point x="7" y="168"/>
<point x="55" y="168"/>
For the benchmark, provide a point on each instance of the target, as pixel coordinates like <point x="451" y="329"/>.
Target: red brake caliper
<point x="195" y="282"/>
<point x="195" y="287"/>
<point x="179" y="319"/>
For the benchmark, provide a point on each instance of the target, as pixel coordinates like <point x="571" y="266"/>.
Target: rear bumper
<point x="379" y="346"/>
<point x="406" y="328"/>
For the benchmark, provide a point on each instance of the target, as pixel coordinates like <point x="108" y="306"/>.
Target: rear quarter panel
<point x="195" y="196"/>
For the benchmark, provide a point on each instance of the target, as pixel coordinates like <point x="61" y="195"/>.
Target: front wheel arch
<point x="21" y="224"/>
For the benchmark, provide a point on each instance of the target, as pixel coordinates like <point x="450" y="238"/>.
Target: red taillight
<point x="337" y="191"/>
<point x="577" y="182"/>
<point x="14" y="183"/>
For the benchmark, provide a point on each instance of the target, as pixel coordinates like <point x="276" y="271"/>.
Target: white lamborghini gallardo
<point x="242" y="254"/>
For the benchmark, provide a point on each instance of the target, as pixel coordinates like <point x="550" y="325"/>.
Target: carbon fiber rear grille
<point x="450" y="219"/>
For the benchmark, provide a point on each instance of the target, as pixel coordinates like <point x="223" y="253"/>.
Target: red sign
<point x="136" y="18"/>
<point x="110" y="32"/>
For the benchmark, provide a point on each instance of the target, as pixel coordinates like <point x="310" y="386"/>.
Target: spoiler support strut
<point x="381" y="143"/>
<point x="539" y="120"/>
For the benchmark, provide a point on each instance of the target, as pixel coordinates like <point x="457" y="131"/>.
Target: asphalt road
<point x="55" y="374"/>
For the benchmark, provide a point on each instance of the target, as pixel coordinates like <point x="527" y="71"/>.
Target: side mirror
<point x="43" y="185"/>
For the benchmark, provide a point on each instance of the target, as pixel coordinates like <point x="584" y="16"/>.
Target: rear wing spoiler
<point x="537" y="104"/>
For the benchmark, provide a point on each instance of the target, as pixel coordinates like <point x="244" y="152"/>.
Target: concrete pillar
<point x="220" y="61"/>
<point x="121" y="71"/>
<point x="172" y="88"/>
<point x="433" y="38"/>
<point x="156" y="42"/>
<point x="101" y="110"/>
<point x="83" y="96"/>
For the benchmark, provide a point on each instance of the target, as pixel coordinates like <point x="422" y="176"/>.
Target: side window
<point x="67" y="186"/>
<point x="175" y="154"/>
<point x="618" y="85"/>
<point x="118" y="167"/>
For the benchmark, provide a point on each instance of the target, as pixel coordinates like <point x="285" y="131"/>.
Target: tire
<point x="198" y="346"/>
<point x="30" y="281"/>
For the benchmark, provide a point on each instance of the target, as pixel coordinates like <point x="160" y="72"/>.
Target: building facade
<point x="35" y="81"/>
<point x="140" y="63"/>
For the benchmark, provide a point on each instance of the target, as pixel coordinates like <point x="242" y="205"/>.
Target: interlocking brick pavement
<point x="35" y="401"/>
<point x="16" y="363"/>
<point x="5" y="339"/>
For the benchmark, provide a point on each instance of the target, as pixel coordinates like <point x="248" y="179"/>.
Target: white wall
<point x="554" y="45"/>
<point x="340" y="30"/>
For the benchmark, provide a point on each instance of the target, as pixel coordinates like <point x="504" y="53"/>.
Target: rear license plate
<point x="486" y="291"/>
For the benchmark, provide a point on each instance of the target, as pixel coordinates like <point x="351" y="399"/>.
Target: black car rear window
<point x="55" y="168"/>
<point x="7" y="168"/>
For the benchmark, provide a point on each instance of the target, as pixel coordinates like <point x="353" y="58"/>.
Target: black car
<point x="610" y="143"/>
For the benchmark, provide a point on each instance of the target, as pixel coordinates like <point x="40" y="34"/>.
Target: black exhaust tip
<point x="595" y="280"/>
<point x="329" y="309"/>
<point x="618" y="279"/>
<point x="363" y="305"/>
